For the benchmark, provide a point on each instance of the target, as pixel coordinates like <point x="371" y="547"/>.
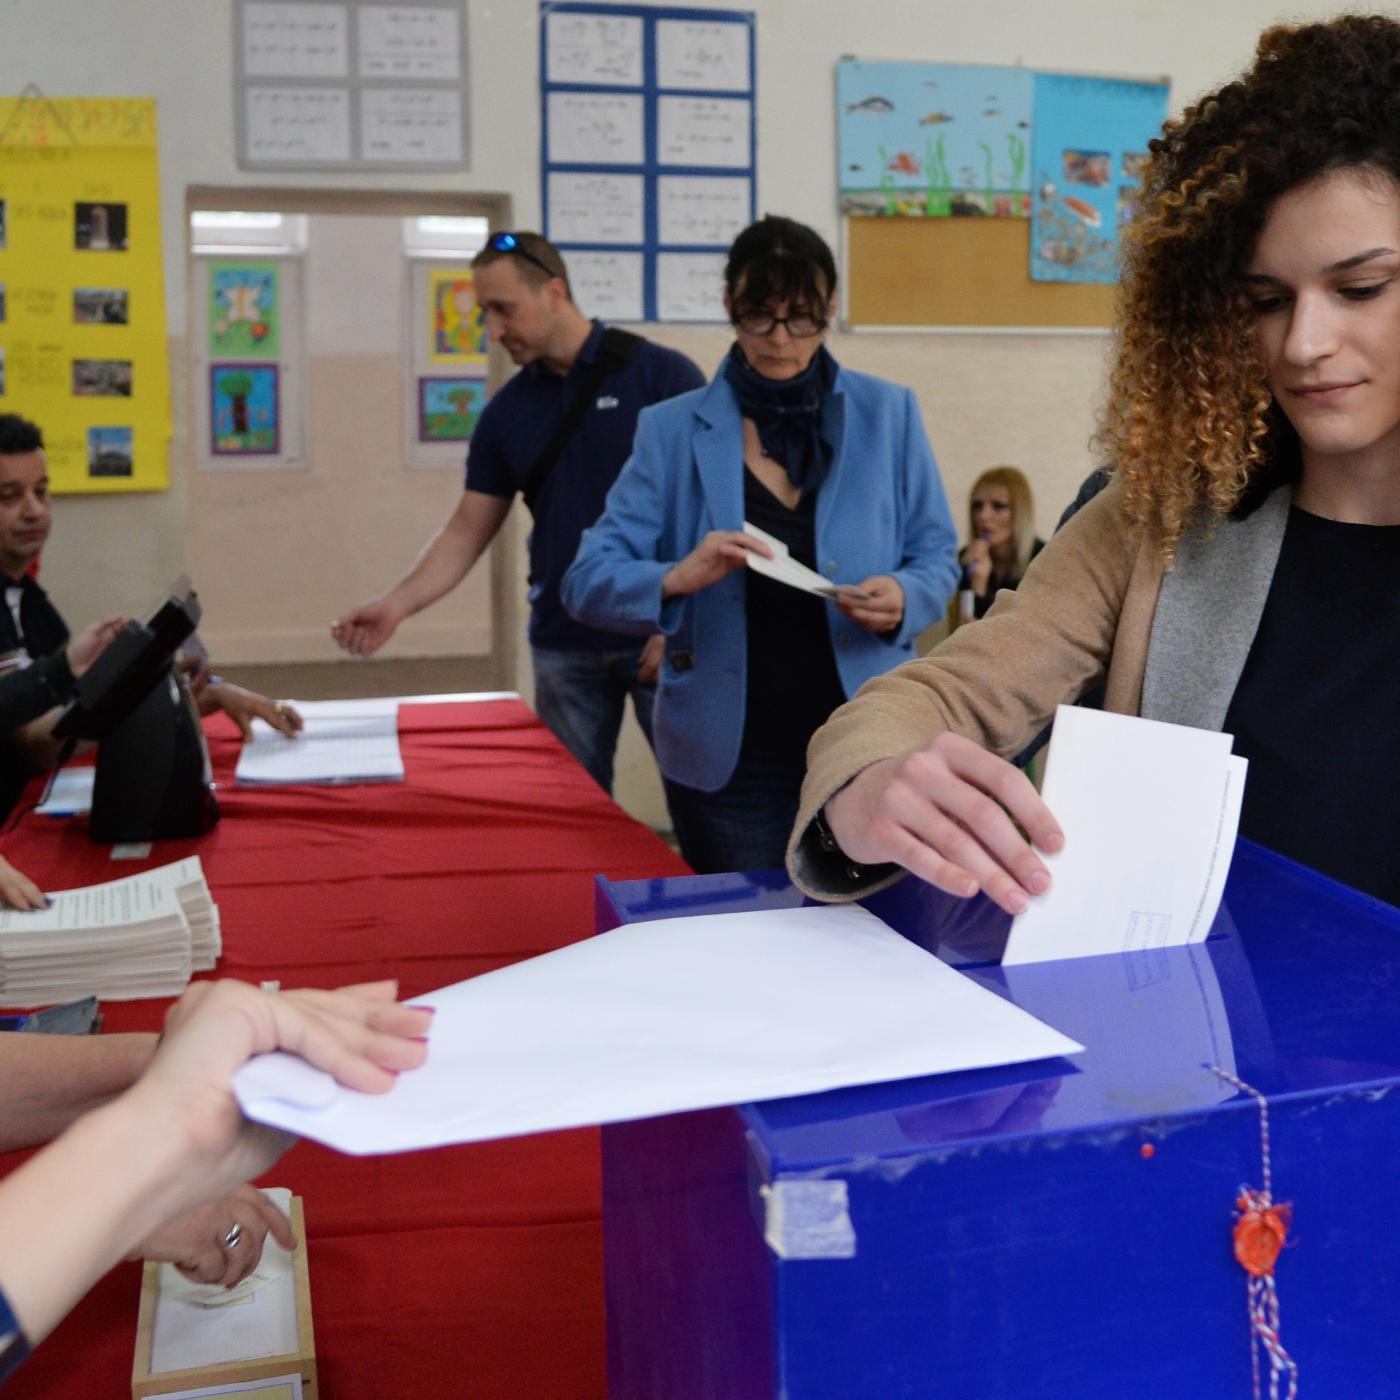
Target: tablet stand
<point x="153" y="770"/>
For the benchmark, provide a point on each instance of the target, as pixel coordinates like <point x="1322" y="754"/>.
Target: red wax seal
<point x="1260" y="1233"/>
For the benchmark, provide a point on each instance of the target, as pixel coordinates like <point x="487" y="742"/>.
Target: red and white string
<point x="1260" y="1229"/>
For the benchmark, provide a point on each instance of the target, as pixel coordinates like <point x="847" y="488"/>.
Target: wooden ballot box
<point x="264" y="1343"/>
<point x="1062" y="1229"/>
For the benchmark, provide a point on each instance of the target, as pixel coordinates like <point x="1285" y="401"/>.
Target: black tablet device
<point x="130" y="667"/>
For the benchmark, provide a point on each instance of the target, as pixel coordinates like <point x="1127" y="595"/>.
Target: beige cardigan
<point x="1083" y="610"/>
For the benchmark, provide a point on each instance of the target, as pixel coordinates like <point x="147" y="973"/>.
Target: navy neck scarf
<point x="787" y="414"/>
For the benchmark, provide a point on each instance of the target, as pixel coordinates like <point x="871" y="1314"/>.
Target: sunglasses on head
<point x="510" y="243"/>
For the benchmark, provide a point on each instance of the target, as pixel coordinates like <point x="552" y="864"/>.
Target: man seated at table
<point x="32" y="628"/>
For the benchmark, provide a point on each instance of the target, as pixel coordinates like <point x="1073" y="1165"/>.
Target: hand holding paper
<point x="663" y="1017"/>
<point x="1150" y="812"/>
<point x="717" y="555"/>
<point x="877" y="604"/>
<point x="780" y="565"/>
<point x="941" y="812"/>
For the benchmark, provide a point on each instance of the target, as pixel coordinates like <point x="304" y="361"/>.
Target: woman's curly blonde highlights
<point x="1189" y="422"/>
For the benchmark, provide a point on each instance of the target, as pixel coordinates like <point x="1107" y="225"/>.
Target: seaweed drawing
<point x="887" y="184"/>
<point x="1016" y="146"/>
<point x="940" y="179"/>
<point x="987" y="157"/>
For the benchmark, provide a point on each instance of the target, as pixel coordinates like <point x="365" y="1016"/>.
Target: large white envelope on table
<point x="663" y="1017"/>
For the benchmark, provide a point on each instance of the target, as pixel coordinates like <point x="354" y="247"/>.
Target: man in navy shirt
<point x="582" y="675"/>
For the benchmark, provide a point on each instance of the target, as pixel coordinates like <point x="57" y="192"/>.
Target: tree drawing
<point x="236" y="388"/>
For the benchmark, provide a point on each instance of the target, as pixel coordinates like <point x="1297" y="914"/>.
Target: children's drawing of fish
<point x="878" y="105"/>
<point x="1083" y="210"/>
<point x="934" y="118"/>
<point x="1025" y="126"/>
<point x="992" y="112"/>
<point x="905" y="164"/>
<point x="1065" y="254"/>
<point x="853" y="167"/>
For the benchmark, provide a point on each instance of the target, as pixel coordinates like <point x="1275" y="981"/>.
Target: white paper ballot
<point x="663" y="1017"/>
<point x="785" y="569"/>
<point x="343" y="741"/>
<point x="1149" y="811"/>
<point x="69" y="793"/>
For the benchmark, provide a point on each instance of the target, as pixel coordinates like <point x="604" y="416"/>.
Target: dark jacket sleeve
<point x="27" y="694"/>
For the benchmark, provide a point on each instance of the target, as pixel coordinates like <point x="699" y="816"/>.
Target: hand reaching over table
<point x="176" y="1140"/>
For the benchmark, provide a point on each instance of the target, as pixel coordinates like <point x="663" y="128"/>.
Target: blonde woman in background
<point x="1001" y="539"/>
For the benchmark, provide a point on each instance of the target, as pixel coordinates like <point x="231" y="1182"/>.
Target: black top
<point x="515" y="427"/>
<point x="1315" y="708"/>
<point x="793" y="684"/>
<point x="27" y="694"/>
<point x="42" y="629"/>
<point x="983" y="605"/>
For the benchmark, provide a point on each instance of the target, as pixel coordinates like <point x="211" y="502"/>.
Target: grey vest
<point x="1207" y="614"/>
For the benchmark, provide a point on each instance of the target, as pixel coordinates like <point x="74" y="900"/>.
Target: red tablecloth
<point x="472" y="1271"/>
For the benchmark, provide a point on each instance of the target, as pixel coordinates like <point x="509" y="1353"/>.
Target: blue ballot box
<point x="1060" y="1229"/>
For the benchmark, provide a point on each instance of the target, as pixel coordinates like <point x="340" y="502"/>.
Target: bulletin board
<point x="648" y="153"/>
<point x="83" y="350"/>
<point x="941" y="272"/>
<point x="985" y="196"/>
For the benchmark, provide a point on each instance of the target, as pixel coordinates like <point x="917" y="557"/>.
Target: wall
<point x="986" y="399"/>
<point x="275" y="554"/>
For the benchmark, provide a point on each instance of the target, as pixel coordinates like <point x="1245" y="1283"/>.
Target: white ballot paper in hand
<point x="663" y="1017"/>
<point x="1149" y="811"/>
<point x="785" y="569"/>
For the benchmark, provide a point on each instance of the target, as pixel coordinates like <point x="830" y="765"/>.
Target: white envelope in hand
<point x="785" y="569"/>
<point x="1149" y="811"/>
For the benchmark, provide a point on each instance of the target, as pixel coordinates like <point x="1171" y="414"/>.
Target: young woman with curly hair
<point x="1243" y="570"/>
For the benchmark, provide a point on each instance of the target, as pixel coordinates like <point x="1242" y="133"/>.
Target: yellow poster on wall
<point x="82" y="306"/>
<point x="458" y="327"/>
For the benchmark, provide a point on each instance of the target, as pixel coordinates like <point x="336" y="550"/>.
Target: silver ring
<point x="235" y="1233"/>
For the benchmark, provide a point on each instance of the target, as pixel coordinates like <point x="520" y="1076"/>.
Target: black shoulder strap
<point x="615" y="352"/>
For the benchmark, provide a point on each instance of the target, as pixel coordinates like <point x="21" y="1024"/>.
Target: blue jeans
<point x="743" y="826"/>
<point x="580" y="695"/>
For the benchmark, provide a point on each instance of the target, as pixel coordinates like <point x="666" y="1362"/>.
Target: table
<point x="472" y="1271"/>
<point x="1061" y="1229"/>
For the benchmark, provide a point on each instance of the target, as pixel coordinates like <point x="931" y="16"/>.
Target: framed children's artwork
<point x="448" y="408"/>
<point x="459" y="328"/>
<point x="244" y="410"/>
<point x="244" y="314"/>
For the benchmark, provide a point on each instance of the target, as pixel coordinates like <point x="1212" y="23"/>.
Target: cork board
<point x="960" y="272"/>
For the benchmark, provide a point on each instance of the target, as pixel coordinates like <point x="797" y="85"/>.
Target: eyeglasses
<point x="800" y="327"/>
<point x="510" y="243"/>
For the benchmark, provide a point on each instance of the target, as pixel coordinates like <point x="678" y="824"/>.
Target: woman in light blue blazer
<point x="832" y="464"/>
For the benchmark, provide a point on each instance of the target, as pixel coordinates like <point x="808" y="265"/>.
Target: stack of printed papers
<point x="141" y="936"/>
<point x="344" y="741"/>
